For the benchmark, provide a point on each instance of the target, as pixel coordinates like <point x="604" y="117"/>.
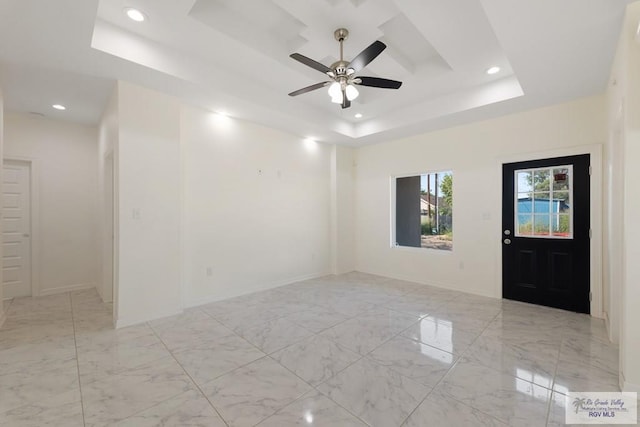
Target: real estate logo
<point x="601" y="408"/>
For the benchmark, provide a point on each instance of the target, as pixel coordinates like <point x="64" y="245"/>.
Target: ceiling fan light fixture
<point x="335" y="92"/>
<point x="351" y="92"/>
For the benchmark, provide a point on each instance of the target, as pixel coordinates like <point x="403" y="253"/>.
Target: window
<point x="424" y="211"/>
<point x="544" y="202"/>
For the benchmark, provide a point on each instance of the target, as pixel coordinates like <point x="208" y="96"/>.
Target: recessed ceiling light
<point x="59" y="107"/>
<point x="358" y="115"/>
<point x="493" y="70"/>
<point x="310" y="144"/>
<point x="135" y="14"/>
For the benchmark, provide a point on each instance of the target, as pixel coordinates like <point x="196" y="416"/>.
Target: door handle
<point x="507" y="241"/>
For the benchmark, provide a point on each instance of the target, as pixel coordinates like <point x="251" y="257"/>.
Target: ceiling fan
<point x="343" y="74"/>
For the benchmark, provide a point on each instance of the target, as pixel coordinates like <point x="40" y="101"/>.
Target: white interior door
<point x="107" y="278"/>
<point x="16" y="229"/>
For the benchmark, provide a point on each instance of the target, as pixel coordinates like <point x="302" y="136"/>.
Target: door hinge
<point x="590" y="170"/>
<point x="590" y="233"/>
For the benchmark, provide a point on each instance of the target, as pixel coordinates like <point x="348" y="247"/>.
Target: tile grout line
<point x="5" y="315"/>
<point x="269" y="355"/>
<point x="360" y="358"/>
<point x="75" y="344"/>
<point x="553" y="383"/>
<point x="315" y="388"/>
<point x="111" y="328"/>
<point x="450" y="369"/>
<point x="463" y="355"/>
<point x="255" y="346"/>
<point x="392" y="337"/>
<point x="187" y="374"/>
<point x="329" y="397"/>
<point x="380" y="305"/>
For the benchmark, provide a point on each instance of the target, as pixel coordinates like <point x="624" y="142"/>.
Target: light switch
<point x="135" y="214"/>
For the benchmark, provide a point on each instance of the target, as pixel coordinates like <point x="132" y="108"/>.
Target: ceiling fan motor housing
<point x="340" y="67"/>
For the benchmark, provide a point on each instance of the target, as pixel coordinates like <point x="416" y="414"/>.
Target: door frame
<point x="595" y="211"/>
<point x="34" y="189"/>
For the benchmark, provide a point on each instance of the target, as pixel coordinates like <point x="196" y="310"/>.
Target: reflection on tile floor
<point x="349" y="350"/>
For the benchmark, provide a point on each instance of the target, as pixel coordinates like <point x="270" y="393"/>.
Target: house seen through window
<point x="424" y="211"/>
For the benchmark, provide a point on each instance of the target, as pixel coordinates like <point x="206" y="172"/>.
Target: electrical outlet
<point x="209" y="272"/>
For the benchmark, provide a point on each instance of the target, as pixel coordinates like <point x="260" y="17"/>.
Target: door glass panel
<point x="563" y="201"/>
<point x="523" y="181"/>
<point x="541" y="180"/>
<point x="524" y="226"/>
<point x="561" y="225"/>
<point x="541" y="225"/>
<point x="560" y="179"/>
<point x="543" y="202"/>
<point x="525" y="203"/>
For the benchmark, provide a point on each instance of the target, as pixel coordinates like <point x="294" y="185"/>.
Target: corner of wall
<point x="624" y="121"/>
<point x="2" y="314"/>
<point x="342" y="210"/>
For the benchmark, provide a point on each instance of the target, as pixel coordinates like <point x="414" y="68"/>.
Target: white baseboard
<point x="214" y="298"/>
<point x="447" y="286"/>
<point x="68" y="288"/>
<point x="337" y="273"/>
<point x="123" y="323"/>
<point x="627" y="386"/>
<point x="607" y="326"/>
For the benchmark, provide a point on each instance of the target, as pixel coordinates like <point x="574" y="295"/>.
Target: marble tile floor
<point x="349" y="350"/>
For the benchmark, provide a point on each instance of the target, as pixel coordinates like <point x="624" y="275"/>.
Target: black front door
<point x="545" y="234"/>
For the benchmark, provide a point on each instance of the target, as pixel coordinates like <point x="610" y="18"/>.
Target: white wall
<point x="63" y="156"/>
<point x="148" y="176"/>
<point x="474" y="153"/>
<point x="624" y="130"/>
<point x="256" y="207"/>
<point x="342" y="209"/>
<point x="108" y="132"/>
<point x="2" y="313"/>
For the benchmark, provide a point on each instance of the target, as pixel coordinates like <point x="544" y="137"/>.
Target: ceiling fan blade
<point x="309" y="88"/>
<point x="377" y="82"/>
<point x="367" y="55"/>
<point x="310" y="63"/>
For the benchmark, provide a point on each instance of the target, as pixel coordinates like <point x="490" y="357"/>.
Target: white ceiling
<point x="233" y="56"/>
